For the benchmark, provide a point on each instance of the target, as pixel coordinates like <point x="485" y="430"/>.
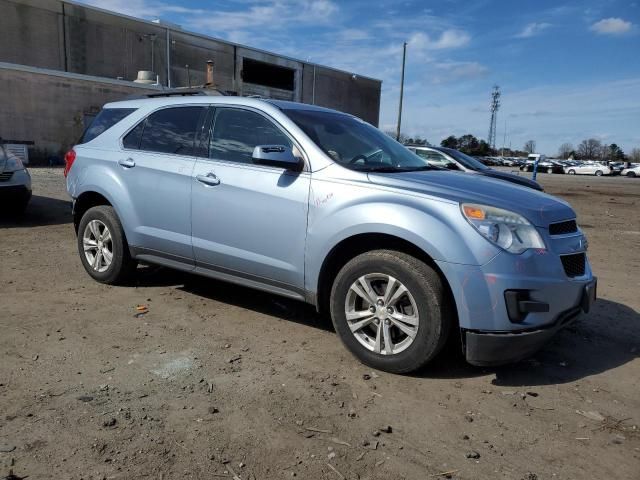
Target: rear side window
<point x="106" y="119"/>
<point x="171" y="130"/>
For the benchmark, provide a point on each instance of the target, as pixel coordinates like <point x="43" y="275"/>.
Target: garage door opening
<point x="267" y="74"/>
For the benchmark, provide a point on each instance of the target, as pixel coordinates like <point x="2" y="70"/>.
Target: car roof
<point x="158" y="101"/>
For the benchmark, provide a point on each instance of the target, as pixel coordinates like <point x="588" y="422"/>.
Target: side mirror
<point x="276" y="156"/>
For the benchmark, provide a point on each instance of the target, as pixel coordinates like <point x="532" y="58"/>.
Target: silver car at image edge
<point x="15" y="183"/>
<point x="320" y="206"/>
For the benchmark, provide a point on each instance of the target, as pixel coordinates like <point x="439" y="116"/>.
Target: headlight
<point x="13" y="164"/>
<point x="506" y="229"/>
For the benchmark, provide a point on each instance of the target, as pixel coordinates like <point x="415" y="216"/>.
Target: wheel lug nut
<point x="389" y="310"/>
<point x="380" y="302"/>
<point x="387" y="321"/>
<point x="372" y="309"/>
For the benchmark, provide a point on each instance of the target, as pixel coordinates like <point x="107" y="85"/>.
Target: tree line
<point x="589" y="149"/>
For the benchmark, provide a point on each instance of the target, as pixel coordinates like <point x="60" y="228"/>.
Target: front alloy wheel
<point x="382" y="314"/>
<point x="391" y="310"/>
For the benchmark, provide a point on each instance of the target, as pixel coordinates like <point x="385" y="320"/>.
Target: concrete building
<point x="61" y="61"/>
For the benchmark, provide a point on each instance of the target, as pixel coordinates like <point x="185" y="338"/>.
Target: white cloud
<point x="449" y="71"/>
<point x="450" y="38"/>
<point x="533" y="29"/>
<point x="611" y="26"/>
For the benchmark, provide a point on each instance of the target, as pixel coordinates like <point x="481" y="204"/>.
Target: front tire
<point x="571" y="172"/>
<point x="103" y="247"/>
<point x="631" y="174"/>
<point x="390" y="310"/>
<point x="598" y="173"/>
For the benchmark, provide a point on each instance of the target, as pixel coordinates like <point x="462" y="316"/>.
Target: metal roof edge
<point x="76" y="76"/>
<point x="209" y="37"/>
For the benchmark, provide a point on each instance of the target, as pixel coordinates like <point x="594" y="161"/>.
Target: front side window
<point x="354" y="143"/>
<point x="170" y="130"/>
<point x="106" y="119"/>
<point x="236" y="132"/>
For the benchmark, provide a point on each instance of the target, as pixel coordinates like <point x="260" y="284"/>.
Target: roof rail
<point x="184" y="92"/>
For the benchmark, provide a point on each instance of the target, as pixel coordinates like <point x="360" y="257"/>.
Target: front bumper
<point x="17" y="187"/>
<point x="498" y="348"/>
<point x="491" y="333"/>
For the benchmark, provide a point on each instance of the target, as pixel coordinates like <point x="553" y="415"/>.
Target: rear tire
<point x="631" y="174"/>
<point x="425" y="307"/>
<point x="549" y="170"/>
<point x="571" y="172"/>
<point x="103" y="248"/>
<point x="598" y="173"/>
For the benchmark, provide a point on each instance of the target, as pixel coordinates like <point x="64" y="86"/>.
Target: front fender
<point x="338" y="212"/>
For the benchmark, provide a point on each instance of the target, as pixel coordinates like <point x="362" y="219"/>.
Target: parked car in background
<point x="633" y="170"/>
<point x="589" y="168"/>
<point x="616" y="168"/>
<point x="15" y="183"/>
<point x="545" y="166"/>
<point x="320" y="206"/>
<point x="456" y="160"/>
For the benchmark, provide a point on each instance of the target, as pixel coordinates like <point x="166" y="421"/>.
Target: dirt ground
<point x="220" y="381"/>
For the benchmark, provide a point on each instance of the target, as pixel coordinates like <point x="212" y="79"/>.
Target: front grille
<point x="574" y="264"/>
<point x="5" y="176"/>
<point x="562" y="228"/>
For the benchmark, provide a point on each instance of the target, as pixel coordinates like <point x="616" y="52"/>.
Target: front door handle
<point x="127" y="163"/>
<point x="210" y="179"/>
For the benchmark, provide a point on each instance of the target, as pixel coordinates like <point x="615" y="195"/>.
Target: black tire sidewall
<point x="433" y="328"/>
<point x="106" y="215"/>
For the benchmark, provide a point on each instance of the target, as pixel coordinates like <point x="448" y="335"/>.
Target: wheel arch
<point x="84" y="202"/>
<point x="357" y="244"/>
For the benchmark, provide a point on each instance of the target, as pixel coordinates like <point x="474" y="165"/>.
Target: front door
<point x="249" y="220"/>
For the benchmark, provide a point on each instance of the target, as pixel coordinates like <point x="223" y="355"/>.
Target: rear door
<point x="156" y="165"/>
<point x="249" y="220"/>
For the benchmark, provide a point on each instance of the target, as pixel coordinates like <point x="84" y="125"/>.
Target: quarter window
<point x="132" y="139"/>
<point x="106" y="119"/>
<point x="171" y="130"/>
<point x="237" y="132"/>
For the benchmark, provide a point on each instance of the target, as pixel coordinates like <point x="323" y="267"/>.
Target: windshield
<point x="467" y="161"/>
<point x="355" y="144"/>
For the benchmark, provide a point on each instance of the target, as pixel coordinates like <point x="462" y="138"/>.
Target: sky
<point x="567" y="70"/>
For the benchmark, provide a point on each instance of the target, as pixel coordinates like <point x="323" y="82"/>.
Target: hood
<point x="539" y="208"/>
<point x="510" y="177"/>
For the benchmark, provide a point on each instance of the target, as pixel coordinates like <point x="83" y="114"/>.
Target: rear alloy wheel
<point x="598" y="173"/>
<point x="631" y="174"/>
<point x="390" y="310"/>
<point x="549" y="170"/>
<point x="571" y="172"/>
<point x="103" y="247"/>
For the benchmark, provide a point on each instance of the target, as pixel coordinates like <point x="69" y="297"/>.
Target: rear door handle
<point x="210" y="179"/>
<point x="127" y="163"/>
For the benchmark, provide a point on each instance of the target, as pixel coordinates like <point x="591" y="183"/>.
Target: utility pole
<point x="404" y="58"/>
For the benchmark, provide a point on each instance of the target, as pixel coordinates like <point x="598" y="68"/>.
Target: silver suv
<point x="320" y="206"/>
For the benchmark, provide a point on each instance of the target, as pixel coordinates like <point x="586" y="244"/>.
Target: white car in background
<point x="588" y="168"/>
<point x="632" y="171"/>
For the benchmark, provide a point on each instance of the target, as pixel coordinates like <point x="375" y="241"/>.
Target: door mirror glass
<point x="276" y="156"/>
